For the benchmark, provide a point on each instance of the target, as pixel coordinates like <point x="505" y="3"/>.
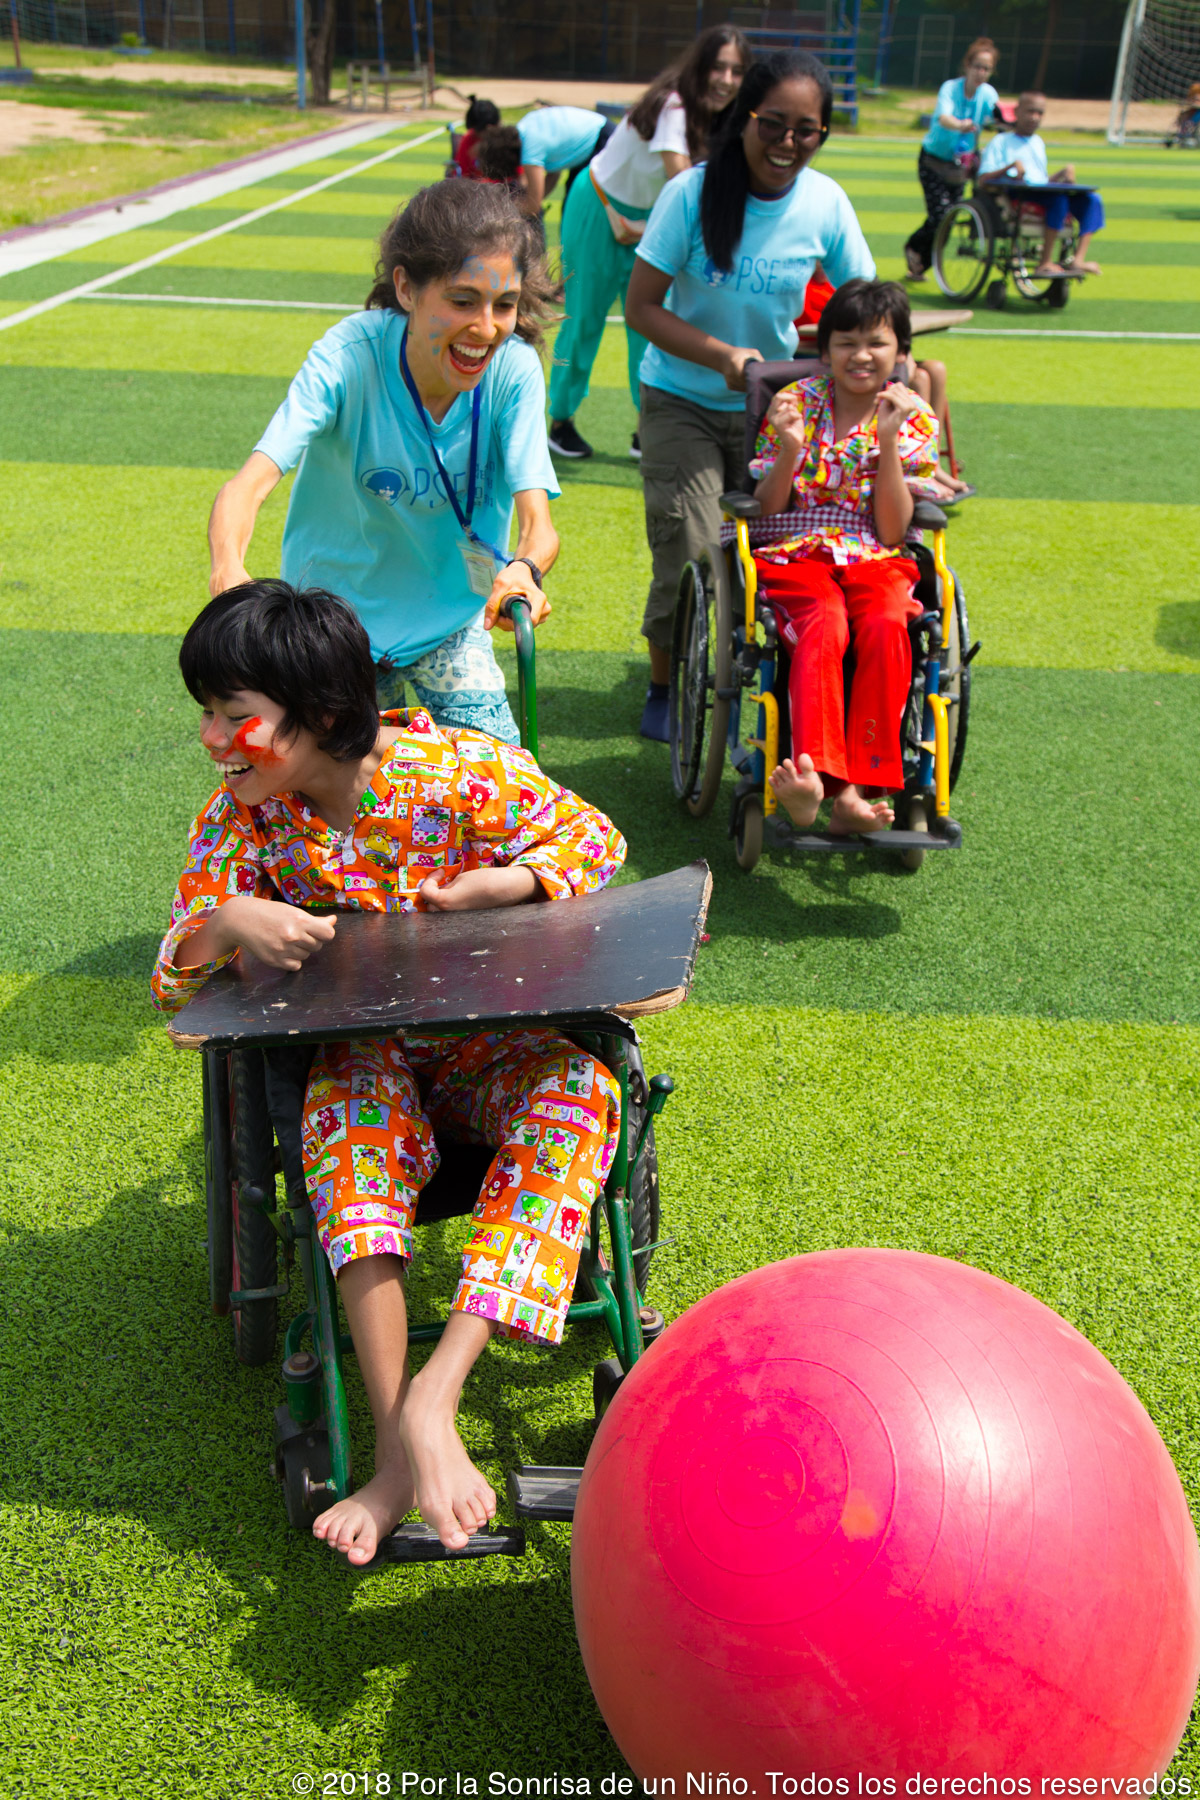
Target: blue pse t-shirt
<point x="756" y="302"/>
<point x="1007" y="148"/>
<point x="939" y="140"/>
<point x="558" y="137"/>
<point x="368" y="516"/>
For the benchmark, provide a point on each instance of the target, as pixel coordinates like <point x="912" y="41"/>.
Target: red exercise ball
<point x="873" y="1515"/>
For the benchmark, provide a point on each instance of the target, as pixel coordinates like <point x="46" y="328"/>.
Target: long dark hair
<point x="432" y="237"/>
<point x="689" y="79"/>
<point x="727" y="176"/>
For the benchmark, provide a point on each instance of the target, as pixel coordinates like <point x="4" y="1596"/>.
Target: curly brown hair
<point x="441" y="226"/>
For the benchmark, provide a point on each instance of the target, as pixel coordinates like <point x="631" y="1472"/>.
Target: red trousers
<point x="822" y="607"/>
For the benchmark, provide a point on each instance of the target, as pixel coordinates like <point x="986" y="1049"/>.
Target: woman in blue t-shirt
<point x="718" y="278"/>
<point x="418" y="426"/>
<point x="962" y="109"/>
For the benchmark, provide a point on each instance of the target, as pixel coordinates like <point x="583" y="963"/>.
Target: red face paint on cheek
<point x="263" y="756"/>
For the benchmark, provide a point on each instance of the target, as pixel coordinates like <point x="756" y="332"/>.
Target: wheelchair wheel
<point x="962" y="251"/>
<point x="958" y="687"/>
<point x="1026" y="254"/>
<point x="748" y="832"/>
<point x="917" y="819"/>
<point x="255" y="1246"/>
<point x="996" y="294"/>
<point x="606" y="1379"/>
<point x="299" y="1463"/>
<point x="644" y="1203"/>
<point x="218" y="1194"/>
<point x="701" y="682"/>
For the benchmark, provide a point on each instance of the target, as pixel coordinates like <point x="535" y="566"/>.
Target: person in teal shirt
<point x="718" y="279"/>
<point x="554" y="138"/>
<point x="417" y="428"/>
<point x="962" y="109"/>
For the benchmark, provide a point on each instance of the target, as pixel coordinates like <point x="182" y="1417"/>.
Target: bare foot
<point x="452" y="1495"/>
<point x="852" y="813"/>
<point x="798" y="790"/>
<point x="1088" y="268"/>
<point x="1045" y="271"/>
<point x="356" y="1525"/>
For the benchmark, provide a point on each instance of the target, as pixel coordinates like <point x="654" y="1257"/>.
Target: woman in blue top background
<point x="717" y="280"/>
<point x="962" y="109"/>
<point x="418" y="426"/>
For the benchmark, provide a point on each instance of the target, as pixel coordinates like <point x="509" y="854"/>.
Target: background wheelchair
<point x="994" y="230"/>
<point x="589" y="969"/>
<point x="727" y="658"/>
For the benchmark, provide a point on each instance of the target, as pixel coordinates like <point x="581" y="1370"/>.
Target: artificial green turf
<point x="167" y="1633"/>
<point x="979" y="1059"/>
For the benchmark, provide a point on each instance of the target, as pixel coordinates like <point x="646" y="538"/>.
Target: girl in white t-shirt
<point x="606" y="209"/>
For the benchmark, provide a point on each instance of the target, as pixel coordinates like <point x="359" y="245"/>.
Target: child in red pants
<point x="324" y="801"/>
<point x="835" y="460"/>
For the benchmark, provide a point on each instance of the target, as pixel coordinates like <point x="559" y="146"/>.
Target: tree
<point x="319" y="39"/>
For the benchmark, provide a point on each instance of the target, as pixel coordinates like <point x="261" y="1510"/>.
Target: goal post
<point x="1158" y="60"/>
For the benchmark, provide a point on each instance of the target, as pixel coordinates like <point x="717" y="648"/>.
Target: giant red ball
<point x="874" y="1513"/>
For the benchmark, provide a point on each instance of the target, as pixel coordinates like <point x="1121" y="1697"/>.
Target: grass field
<point x="994" y="1059"/>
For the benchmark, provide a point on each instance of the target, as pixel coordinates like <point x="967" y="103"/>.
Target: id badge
<point x="481" y="569"/>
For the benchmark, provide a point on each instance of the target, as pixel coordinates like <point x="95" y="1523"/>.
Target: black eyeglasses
<point x="773" y="131"/>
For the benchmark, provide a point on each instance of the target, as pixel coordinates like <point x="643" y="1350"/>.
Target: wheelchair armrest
<point x="926" y="516"/>
<point x="740" y="506"/>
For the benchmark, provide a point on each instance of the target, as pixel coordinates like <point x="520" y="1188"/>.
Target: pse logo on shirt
<point x="423" y="486"/>
<point x="761" y="274"/>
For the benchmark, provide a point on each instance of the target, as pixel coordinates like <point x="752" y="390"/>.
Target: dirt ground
<point x="23" y="123"/>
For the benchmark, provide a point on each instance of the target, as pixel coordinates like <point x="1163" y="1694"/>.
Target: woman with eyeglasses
<point x="717" y="280"/>
<point x="948" y="152"/>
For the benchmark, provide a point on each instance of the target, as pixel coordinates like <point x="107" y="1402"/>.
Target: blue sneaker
<point x="655" y="714"/>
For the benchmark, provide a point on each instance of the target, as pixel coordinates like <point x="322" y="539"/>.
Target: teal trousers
<point x="596" y="272"/>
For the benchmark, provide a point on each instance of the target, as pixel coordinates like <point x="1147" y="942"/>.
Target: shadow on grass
<point x="1178" y="628"/>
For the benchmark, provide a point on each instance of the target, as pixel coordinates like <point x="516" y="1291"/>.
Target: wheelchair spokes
<point x="963" y="251"/>
<point x="701" y="682"/>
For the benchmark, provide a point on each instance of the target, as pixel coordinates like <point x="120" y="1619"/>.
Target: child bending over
<point x="323" y="800"/>
<point x="837" y="459"/>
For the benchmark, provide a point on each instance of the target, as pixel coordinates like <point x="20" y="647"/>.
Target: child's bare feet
<point x="356" y="1525"/>
<point x="799" y="790"/>
<point x="452" y="1495"/>
<point x="852" y="812"/>
<point x="1047" y="270"/>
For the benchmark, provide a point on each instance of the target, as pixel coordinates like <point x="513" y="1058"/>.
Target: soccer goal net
<point x="1158" y="60"/>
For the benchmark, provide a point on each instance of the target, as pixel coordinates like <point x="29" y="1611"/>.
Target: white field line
<point x="205" y="237"/>
<point x="224" y="300"/>
<point x="1153" y="337"/>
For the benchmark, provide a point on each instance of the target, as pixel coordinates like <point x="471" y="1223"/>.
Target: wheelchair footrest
<point x="420" y="1544"/>
<point x="782" y="836"/>
<point x="542" y="1492"/>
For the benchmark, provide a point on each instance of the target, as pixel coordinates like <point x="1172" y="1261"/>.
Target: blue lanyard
<point x="464" y="518"/>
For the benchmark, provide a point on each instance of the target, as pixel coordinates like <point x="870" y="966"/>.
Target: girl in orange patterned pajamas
<point x="325" y="801"/>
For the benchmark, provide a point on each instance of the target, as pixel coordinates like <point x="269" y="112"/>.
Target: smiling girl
<point x="717" y="280"/>
<point x="418" y="426"/>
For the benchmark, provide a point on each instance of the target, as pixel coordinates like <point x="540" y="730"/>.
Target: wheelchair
<point x="994" y="230"/>
<point x="727" y="652"/>
<point x="572" y="961"/>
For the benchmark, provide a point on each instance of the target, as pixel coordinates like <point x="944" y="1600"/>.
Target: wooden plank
<point x="626" y="952"/>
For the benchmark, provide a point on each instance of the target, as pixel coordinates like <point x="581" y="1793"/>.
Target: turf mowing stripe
<point x="121" y="274"/>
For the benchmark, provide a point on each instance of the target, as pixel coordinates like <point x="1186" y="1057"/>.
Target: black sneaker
<point x="566" y="441"/>
<point x="635" y="448"/>
<point x="656" y="714"/>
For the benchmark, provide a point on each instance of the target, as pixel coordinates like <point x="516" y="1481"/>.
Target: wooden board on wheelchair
<point x="618" y="954"/>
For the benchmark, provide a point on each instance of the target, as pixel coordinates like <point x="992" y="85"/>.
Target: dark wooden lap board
<point x="622" y="953"/>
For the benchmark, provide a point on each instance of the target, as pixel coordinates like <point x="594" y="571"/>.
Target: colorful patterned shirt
<point x="833" y="490"/>
<point x="440" y="797"/>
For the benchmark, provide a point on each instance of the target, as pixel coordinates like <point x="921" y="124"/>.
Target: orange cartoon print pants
<point x="551" y="1112"/>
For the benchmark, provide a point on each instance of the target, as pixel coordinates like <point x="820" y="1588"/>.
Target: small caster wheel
<point x="995" y="295"/>
<point x="918" y="820"/>
<point x="302" y="1464"/>
<point x="1057" y="294"/>
<point x="653" y="1324"/>
<point x="748" y="833"/>
<point x="606" y="1379"/>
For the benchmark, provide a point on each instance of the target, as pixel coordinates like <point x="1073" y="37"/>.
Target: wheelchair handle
<point x="517" y="608"/>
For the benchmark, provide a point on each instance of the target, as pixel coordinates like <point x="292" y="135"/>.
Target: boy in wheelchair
<point x="837" y="460"/>
<point x="1020" y="156"/>
<point x="326" y="802"/>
